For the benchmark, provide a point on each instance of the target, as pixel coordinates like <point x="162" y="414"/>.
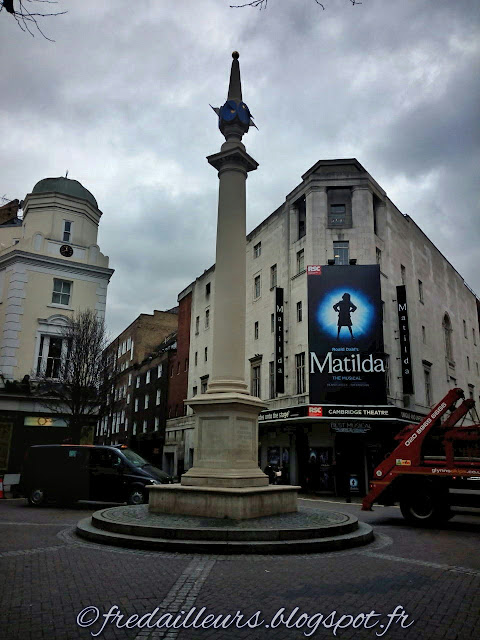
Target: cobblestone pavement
<point x="48" y="576"/>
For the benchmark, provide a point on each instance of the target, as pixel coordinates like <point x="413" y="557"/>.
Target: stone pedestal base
<point x="226" y="441"/>
<point x="216" y="502"/>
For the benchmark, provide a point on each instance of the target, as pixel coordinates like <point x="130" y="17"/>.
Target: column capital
<point x="234" y="158"/>
<point x="315" y="189"/>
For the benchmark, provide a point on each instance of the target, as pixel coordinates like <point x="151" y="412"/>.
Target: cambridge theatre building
<point x="356" y="326"/>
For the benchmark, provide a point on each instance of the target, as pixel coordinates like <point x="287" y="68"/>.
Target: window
<point x="129" y="379"/>
<point x="137" y="382"/>
<point x="159" y="371"/>
<point x="420" y="290"/>
<point x="144" y="426"/>
<point x="447" y="333"/>
<point x="256" y="287"/>
<point x="471" y="391"/>
<point x="299" y="312"/>
<point x="128" y="398"/>
<point x="273" y="276"/>
<point x="157" y="423"/>
<point x="67" y="231"/>
<point x="468" y="363"/>
<point x="271" y="378"/>
<point x="207" y="289"/>
<point x="147" y="400"/>
<point x="428" y="386"/>
<point x="476" y="364"/>
<point x="272" y="322"/>
<point x="134" y="428"/>
<point x="474" y="336"/>
<point x="136" y="404"/>
<point x="158" y="397"/>
<point x="300" y="372"/>
<point x="203" y="384"/>
<point x="341" y="252"/>
<point x="424" y="335"/>
<point x="387" y="374"/>
<point x="194" y="391"/>
<point x="147" y="377"/>
<point x="186" y="365"/>
<point x="255" y="331"/>
<point x="178" y="368"/>
<point x="53" y="352"/>
<point x="255" y="380"/>
<point x="61" y="292"/>
<point x="206" y="354"/>
<point x="196" y="358"/>
<point x="300" y="260"/>
<point x="257" y="250"/>
<point x="337" y="215"/>
<point x="402" y="273"/>
<point x="378" y="255"/>
<point x="207" y="318"/>
<point x="197" y="325"/>
<point x="302" y="217"/>
<point x="465" y="329"/>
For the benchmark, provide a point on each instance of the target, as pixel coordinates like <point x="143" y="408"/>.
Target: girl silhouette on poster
<point x="344" y="308"/>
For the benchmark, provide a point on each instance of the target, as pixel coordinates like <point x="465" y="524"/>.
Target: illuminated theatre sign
<point x="345" y="335"/>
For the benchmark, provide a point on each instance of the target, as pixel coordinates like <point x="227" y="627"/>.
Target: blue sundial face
<point x="229" y="111"/>
<point x="243" y="113"/>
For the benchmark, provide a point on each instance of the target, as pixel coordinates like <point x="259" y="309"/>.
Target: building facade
<point x="50" y="267"/>
<point x="138" y="404"/>
<point x="339" y="217"/>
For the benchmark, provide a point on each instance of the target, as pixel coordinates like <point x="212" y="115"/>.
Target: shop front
<point x="330" y="449"/>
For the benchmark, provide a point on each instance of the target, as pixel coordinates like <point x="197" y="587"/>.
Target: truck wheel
<point x="136" y="496"/>
<point x="422" y="507"/>
<point x="36" y="497"/>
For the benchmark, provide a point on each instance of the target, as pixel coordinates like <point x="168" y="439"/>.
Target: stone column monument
<point x="225" y="481"/>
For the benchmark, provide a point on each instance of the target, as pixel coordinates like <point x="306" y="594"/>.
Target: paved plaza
<point x="417" y="583"/>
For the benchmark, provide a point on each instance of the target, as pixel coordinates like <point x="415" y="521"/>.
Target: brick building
<point x="137" y="407"/>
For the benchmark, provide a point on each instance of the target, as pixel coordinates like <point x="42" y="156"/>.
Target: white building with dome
<point x="50" y="267"/>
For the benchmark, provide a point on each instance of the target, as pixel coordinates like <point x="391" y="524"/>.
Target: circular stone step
<point x="305" y="531"/>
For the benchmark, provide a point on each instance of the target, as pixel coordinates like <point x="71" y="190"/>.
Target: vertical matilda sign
<point x="345" y="335"/>
<point x="404" y="335"/>
<point x="279" y="347"/>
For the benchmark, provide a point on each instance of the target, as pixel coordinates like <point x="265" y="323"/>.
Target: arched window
<point x="447" y="332"/>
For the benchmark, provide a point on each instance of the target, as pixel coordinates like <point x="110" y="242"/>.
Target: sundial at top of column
<point x="234" y="117"/>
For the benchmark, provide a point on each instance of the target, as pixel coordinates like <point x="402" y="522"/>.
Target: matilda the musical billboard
<point x="345" y="334"/>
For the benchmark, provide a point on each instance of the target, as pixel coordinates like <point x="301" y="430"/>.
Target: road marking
<point x="26" y="552"/>
<point x="358" y="504"/>
<point x="37" y="524"/>
<point x="182" y="596"/>
<point x="422" y="563"/>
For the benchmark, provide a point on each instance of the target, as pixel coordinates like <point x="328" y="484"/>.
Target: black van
<point x="68" y="473"/>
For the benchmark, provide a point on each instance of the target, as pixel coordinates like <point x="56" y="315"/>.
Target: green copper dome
<point x="66" y="186"/>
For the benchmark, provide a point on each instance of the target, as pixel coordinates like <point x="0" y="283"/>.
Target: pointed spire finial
<point x="235" y="86"/>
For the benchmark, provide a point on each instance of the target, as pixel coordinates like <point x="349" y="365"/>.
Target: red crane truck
<point x="428" y="485"/>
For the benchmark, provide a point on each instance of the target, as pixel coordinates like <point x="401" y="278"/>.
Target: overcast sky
<point x="121" y="100"/>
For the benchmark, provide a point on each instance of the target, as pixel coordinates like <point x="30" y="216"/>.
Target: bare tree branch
<point x="26" y="19"/>
<point x="77" y="383"/>
<point x="262" y="4"/>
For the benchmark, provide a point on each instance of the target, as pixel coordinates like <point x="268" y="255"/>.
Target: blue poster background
<point x="345" y="332"/>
